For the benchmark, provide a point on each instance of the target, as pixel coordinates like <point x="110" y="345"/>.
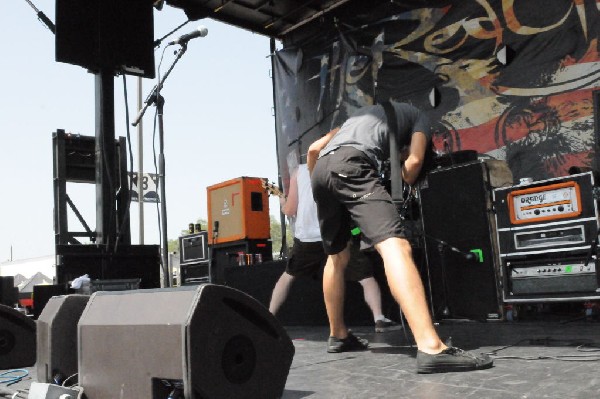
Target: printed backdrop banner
<point x="511" y="79"/>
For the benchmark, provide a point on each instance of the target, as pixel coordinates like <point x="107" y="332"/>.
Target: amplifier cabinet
<point x="193" y="247"/>
<point x="551" y="278"/>
<point x="457" y="214"/>
<point x="238" y="209"/>
<point x="547" y="235"/>
<point x="228" y="255"/>
<point x="194" y="273"/>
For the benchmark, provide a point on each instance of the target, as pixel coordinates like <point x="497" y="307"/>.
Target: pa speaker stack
<point x="206" y="341"/>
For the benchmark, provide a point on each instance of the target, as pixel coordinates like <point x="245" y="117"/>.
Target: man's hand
<point x="416" y="156"/>
<point x="315" y="148"/>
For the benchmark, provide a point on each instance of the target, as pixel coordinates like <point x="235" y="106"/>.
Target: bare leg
<point x="334" y="291"/>
<point x="372" y="295"/>
<point x="407" y="288"/>
<point x="280" y="292"/>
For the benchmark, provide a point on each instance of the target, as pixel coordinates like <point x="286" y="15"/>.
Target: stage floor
<point x="533" y="359"/>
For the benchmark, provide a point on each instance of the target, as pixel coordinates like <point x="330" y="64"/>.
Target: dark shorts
<point x="360" y="265"/>
<point x="308" y="259"/>
<point x="347" y="190"/>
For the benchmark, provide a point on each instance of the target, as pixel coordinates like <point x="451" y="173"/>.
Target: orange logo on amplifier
<point x="550" y="202"/>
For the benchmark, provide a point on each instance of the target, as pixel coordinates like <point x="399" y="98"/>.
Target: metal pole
<point x="284" y="250"/>
<point x="140" y="132"/>
<point x="163" y="202"/>
<point x="156" y="99"/>
<point x="105" y="157"/>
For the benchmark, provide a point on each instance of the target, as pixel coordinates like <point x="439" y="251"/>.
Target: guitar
<point x="271" y="188"/>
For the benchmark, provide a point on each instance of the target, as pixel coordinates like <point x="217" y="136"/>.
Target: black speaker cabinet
<point x="113" y="34"/>
<point x="459" y="234"/>
<point x="129" y="262"/>
<point x="207" y="341"/>
<point x="57" y="337"/>
<point x="43" y="293"/>
<point x="227" y="255"/>
<point x="9" y="294"/>
<point x="17" y="339"/>
<point x="194" y="273"/>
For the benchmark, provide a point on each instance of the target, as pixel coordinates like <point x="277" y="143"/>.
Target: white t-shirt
<point x="307" y="223"/>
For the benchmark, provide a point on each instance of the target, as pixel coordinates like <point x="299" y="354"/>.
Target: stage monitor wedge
<point x="117" y="35"/>
<point x="209" y="341"/>
<point x="17" y="339"/>
<point x="57" y="337"/>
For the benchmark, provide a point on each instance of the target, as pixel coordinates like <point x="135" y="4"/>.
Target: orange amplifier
<point x="545" y="203"/>
<point x="238" y="209"/>
<point x="547" y="235"/>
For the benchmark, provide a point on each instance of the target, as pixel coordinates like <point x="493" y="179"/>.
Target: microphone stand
<point x="441" y="250"/>
<point x="155" y="98"/>
<point x="155" y="93"/>
<point x="442" y="247"/>
<point x="211" y="253"/>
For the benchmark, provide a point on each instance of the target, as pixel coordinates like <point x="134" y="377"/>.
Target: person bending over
<point x="345" y="165"/>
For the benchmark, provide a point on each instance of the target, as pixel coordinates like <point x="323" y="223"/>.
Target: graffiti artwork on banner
<point x="515" y="79"/>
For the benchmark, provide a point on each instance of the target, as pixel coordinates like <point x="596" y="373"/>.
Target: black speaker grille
<point x="456" y="210"/>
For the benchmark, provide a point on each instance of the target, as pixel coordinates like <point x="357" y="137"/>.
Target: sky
<point x="218" y="124"/>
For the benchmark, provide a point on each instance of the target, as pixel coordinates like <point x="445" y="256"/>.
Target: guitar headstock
<point x="271" y="188"/>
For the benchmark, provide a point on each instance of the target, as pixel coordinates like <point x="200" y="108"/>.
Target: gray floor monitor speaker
<point x="57" y="337"/>
<point x="17" y="339"/>
<point x="207" y="341"/>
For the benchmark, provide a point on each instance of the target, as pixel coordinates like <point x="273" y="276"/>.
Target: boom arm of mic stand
<point x="152" y="97"/>
<point x="444" y="244"/>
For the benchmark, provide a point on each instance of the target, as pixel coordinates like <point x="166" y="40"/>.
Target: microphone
<point x="201" y="31"/>
<point x="469" y="256"/>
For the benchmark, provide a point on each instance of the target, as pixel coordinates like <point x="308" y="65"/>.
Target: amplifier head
<point x="193" y="247"/>
<point x="545" y="203"/>
<point x="559" y="199"/>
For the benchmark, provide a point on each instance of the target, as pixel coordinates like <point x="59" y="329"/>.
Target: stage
<point x="555" y="358"/>
<point x="532" y="360"/>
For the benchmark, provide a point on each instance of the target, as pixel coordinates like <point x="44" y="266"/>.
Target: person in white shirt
<point x="308" y="257"/>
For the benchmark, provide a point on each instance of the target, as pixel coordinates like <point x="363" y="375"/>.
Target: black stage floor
<point x="533" y="359"/>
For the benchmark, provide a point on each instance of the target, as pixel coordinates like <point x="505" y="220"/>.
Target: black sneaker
<point x="386" y="325"/>
<point x="451" y="359"/>
<point x="350" y="343"/>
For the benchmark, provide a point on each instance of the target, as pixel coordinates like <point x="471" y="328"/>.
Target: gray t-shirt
<point x="367" y="130"/>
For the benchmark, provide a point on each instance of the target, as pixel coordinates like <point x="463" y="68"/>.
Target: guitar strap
<point x="397" y="187"/>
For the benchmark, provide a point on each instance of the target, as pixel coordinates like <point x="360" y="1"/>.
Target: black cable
<point x="111" y="186"/>
<point x="126" y="216"/>
<point x="580" y="344"/>
<point x="317" y="123"/>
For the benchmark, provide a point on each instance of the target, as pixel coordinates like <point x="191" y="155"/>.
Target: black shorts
<point x="360" y="266"/>
<point x="346" y="188"/>
<point x="308" y="259"/>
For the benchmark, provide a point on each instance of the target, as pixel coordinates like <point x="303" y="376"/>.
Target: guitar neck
<point x="272" y="189"/>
